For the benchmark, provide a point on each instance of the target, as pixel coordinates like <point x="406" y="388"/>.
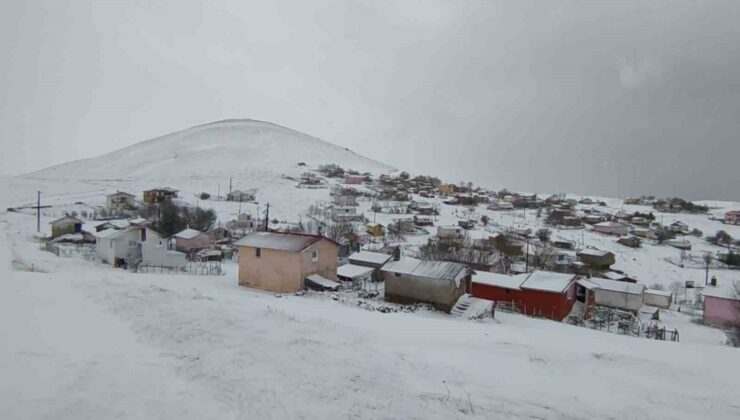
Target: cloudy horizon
<point x="601" y="98"/>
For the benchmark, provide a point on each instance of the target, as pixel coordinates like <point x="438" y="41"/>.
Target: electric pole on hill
<point x="38" y="212"/>
<point x="267" y="217"/>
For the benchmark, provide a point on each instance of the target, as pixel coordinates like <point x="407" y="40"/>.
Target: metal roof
<point x="499" y="280"/>
<point x="280" y="241"/>
<point x="370" y="257"/>
<point x="433" y="269"/>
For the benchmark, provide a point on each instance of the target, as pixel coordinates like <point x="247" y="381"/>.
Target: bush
<point x="543" y="234"/>
<point x="205" y="196"/>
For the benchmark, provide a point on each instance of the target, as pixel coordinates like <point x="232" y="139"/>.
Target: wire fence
<point x="209" y="268"/>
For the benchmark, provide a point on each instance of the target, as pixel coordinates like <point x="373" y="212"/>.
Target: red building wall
<point x="531" y="302"/>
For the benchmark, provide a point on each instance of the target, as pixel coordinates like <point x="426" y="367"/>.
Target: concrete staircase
<point x="461" y="306"/>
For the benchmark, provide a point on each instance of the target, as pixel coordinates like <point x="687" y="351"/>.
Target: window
<point x="507" y="291"/>
<point x="258" y="252"/>
<point x="132" y="244"/>
<point x="397" y="274"/>
<point x="314" y="256"/>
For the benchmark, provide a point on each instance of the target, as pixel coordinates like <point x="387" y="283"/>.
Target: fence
<point x="210" y="268"/>
<point x="71" y="250"/>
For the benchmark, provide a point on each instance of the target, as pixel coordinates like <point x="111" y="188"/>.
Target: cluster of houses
<point x="285" y="262"/>
<point x="125" y="242"/>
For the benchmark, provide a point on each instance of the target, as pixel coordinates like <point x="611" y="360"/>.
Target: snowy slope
<point x="240" y="148"/>
<point x="81" y="340"/>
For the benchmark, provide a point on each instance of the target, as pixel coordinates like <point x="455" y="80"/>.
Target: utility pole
<point x="218" y="196"/>
<point x="267" y="217"/>
<point x="526" y="257"/>
<point x="38" y="212"/>
<point x="230" y="185"/>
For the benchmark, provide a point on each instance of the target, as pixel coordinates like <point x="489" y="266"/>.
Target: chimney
<point x="397" y="253"/>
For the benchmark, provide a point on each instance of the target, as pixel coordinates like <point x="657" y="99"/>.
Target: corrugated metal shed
<point x="432" y="269"/>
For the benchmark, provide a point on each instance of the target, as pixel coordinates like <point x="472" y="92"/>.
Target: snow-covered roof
<point x="548" y="281"/>
<point x="610" y="224"/>
<point x="619" y="286"/>
<point x="658" y="292"/>
<point x="281" y="241"/>
<point x="352" y="271"/>
<point x="323" y="281"/>
<point x="587" y="284"/>
<point x="370" y="257"/>
<point x="188" y="234"/>
<point x="450" y="227"/>
<point x="499" y="280"/>
<point x="432" y="269"/>
<point x="121" y="193"/>
<point x="594" y="252"/>
<point x="106" y="233"/>
<point x="70" y="219"/>
<point x="720" y="293"/>
<point x="139" y="221"/>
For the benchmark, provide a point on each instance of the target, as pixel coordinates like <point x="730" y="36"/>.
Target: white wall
<point x="154" y="251"/>
<point x="621" y="300"/>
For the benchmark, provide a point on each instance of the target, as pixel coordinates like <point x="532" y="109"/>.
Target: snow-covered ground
<point x="79" y="339"/>
<point x="82" y="340"/>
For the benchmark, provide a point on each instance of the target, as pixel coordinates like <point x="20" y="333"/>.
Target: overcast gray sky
<point x="617" y="98"/>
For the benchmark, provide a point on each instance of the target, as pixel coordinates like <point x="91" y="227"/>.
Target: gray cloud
<point x="616" y="98"/>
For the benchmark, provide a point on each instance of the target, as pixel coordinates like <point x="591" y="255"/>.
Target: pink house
<point x="721" y="307"/>
<point x="281" y="261"/>
<point x="353" y="179"/>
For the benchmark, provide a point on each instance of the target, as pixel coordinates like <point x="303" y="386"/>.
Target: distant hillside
<point x="240" y="148"/>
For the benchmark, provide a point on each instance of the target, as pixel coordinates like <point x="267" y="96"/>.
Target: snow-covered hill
<point x="241" y="148"/>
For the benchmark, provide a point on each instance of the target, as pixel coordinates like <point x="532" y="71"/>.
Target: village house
<point x="423" y="207"/>
<point x="191" y="240"/>
<point x="679" y="227"/>
<point x="281" y="262"/>
<point x="630" y="241"/>
<point x="593" y="219"/>
<point x="657" y="298"/>
<point x="136" y="244"/>
<point x="596" y="257"/>
<point x="721" y="307"/>
<point x="402" y="226"/>
<point x="640" y="221"/>
<point x="610" y="293"/>
<point x="501" y="205"/>
<point x="121" y="201"/>
<point x="240" y="196"/>
<point x="64" y="225"/>
<point x="440" y="283"/>
<point x="423" y="220"/>
<point x="345" y="214"/>
<point x="732" y="217"/>
<point x="450" y="232"/>
<point x="354" y="179"/>
<point x="159" y="195"/>
<point x="611" y="228"/>
<point x="643" y="233"/>
<point x="343" y="200"/>
<point x="447" y="189"/>
<point x="465" y="199"/>
<point x="540" y="293"/>
<point x="376" y="230"/>
<point x="368" y="260"/>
